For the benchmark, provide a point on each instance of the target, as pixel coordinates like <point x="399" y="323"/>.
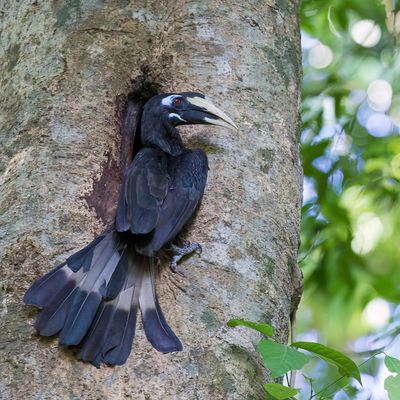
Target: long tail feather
<point x="52" y="318"/>
<point x="45" y="288"/>
<point x="111" y="335"/>
<point x="83" y="258"/>
<point x="88" y="297"/>
<point x="122" y="330"/>
<point x="157" y="330"/>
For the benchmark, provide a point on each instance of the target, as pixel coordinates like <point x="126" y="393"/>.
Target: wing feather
<point x="144" y="188"/>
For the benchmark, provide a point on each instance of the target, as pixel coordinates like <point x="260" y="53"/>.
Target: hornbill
<point x="92" y="298"/>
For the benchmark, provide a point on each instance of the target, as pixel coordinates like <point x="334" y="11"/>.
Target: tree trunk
<point x="64" y="66"/>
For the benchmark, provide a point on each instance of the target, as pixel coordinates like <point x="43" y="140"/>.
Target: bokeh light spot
<point x="379" y="95"/>
<point x="366" y="33"/>
<point x="323" y="164"/>
<point x="309" y="191"/>
<point x="368" y="231"/>
<point x="379" y="125"/>
<point x="341" y="144"/>
<point x="308" y="42"/>
<point x="377" y="313"/>
<point x="320" y="56"/>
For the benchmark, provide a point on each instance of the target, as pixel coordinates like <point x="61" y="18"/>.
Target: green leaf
<point x="346" y="366"/>
<point x="392" y="383"/>
<point x="280" y="358"/>
<point x="265" y="329"/>
<point x="279" y="391"/>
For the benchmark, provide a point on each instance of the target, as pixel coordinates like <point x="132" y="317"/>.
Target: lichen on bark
<point x="64" y="65"/>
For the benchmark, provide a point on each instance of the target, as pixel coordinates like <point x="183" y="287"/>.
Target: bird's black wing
<point x="143" y="191"/>
<point x="188" y="174"/>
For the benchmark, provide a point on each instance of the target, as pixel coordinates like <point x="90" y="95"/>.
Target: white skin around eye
<point x="167" y="101"/>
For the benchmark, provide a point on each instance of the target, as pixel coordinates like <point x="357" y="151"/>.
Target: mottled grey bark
<point x="63" y="65"/>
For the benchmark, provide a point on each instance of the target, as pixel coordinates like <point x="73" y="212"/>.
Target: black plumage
<point x="93" y="298"/>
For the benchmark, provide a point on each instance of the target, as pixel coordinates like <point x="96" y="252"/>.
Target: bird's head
<point x="188" y="108"/>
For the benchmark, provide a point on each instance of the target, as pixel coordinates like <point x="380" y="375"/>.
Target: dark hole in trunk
<point x="104" y="196"/>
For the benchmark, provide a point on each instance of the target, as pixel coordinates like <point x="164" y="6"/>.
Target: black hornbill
<point x="92" y="298"/>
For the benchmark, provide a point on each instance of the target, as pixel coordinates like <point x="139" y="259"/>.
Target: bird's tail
<point x="92" y="300"/>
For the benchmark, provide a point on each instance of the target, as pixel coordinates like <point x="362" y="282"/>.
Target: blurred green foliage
<point x="350" y="251"/>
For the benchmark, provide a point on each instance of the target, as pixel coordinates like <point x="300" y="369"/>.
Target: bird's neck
<point x="158" y="132"/>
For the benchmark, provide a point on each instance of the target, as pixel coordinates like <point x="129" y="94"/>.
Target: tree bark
<point x="64" y="66"/>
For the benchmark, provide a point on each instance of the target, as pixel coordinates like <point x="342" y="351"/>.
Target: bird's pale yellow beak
<point x="208" y="107"/>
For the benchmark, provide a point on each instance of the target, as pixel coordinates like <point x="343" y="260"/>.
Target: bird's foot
<point x="179" y="252"/>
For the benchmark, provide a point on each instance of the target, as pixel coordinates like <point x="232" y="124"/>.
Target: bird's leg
<point x="179" y="252"/>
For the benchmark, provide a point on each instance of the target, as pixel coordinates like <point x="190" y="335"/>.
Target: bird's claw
<point x="199" y="249"/>
<point x="173" y="266"/>
<point x="179" y="252"/>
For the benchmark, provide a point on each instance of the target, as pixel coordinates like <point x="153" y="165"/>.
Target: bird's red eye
<point x="177" y="101"/>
